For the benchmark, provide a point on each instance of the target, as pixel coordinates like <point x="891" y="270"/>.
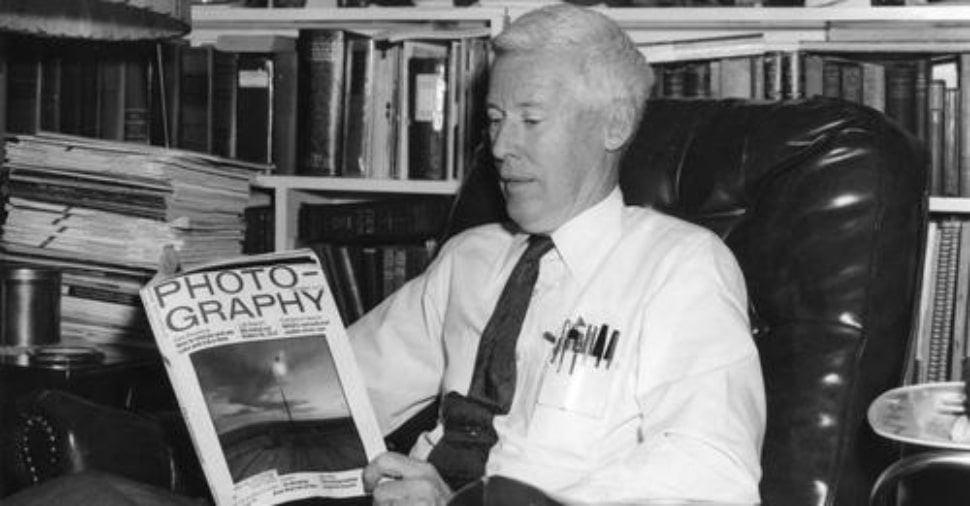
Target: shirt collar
<point x="584" y="241"/>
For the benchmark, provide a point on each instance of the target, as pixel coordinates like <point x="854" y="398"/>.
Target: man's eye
<point x="532" y="121"/>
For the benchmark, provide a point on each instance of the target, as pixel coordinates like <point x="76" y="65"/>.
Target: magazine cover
<point x="265" y="377"/>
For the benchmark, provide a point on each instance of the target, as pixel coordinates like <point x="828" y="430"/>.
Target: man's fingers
<point x="396" y="465"/>
<point x="397" y="479"/>
<point x="413" y="492"/>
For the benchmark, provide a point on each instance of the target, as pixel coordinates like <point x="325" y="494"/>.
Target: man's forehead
<point x="531" y="83"/>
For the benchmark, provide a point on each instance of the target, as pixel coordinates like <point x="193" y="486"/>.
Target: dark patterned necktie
<point x="468" y="437"/>
<point x="494" y="376"/>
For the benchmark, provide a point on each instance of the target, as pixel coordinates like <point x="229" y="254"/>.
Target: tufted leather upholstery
<point x="824" y="204"/>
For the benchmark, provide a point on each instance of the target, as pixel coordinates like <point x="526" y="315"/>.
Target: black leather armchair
<point x="824" y="204"/>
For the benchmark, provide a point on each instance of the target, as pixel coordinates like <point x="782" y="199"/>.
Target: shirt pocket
<point x="571" y="405"/>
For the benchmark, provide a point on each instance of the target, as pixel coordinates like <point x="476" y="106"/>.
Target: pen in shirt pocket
<point x="596" y="343"/>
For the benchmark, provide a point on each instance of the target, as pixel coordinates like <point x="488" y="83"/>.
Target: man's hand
<point x="398" y="480"/>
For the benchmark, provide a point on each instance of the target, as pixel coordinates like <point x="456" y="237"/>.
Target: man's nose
<point x="503" y="139"/>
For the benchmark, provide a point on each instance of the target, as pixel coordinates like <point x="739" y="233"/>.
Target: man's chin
<point x="530" y="222"/>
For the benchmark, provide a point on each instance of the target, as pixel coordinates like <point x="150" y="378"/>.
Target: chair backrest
<point x="824" y="204"/>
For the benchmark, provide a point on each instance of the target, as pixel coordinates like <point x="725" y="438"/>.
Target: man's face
<point x="548" y="143"/>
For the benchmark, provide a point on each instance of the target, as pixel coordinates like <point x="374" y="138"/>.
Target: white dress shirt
<point x="679" y="413"/>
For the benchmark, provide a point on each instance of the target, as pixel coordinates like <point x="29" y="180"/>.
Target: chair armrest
<point x="54" y="433"/>
<point x="885" y="485"/>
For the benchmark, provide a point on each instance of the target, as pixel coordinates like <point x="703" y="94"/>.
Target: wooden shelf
<point x="776" y="17"/>
<point x="355" y="185"/>
<point x="950" y="205"/>
<point x="210" y="21"/>
<point x="222" y="16"/>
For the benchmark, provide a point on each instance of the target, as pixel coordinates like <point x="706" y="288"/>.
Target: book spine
<point x="934" y="141"/>
<point x="961" y="305"/>
<point x="964" y="123"/>
<point x="136" y="99"/>
<point x="222" y="90"/>
<point x="812" y="70"/>
<point x="285" y="111"/>
<point x="112" y="97"/>
<point x="874" y="85"/>
<point x="941" y="327"/>
<point x="921" y="99"/>
<point x="951" y="139"/>
<point x="23" y="90"/>
<point x="426" y="129"/>
<point x="917" y="367"/>
<point x="350" y="280"/>
<point x="321" y="54"/>
<point x="397" y="220"/>
<point x="358" y="89"/>
<point x="50" y="92"/>
<point x="831" y="78"/>
<point x="735" y="79"/>
<point x="193" y="114"/>
<point x="851" y="84"/>
<point x="163" y="96"/>
<point x="901" y="80"/>
<point x="254" y="107"/>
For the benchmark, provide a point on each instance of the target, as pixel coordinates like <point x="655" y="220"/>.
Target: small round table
<point x="922" y="415"/>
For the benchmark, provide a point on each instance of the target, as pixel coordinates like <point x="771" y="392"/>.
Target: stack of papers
<point x="102" y="212"/>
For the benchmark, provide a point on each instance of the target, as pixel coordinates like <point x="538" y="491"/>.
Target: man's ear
<point x="619" y="124"/>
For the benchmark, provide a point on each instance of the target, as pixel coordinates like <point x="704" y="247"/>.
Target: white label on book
<point x="254" y="78"/>
<point x="429" y="103"/>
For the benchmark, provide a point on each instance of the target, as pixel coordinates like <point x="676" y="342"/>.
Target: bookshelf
<point x="782" y="28"/>
<point x="288" y="193"/>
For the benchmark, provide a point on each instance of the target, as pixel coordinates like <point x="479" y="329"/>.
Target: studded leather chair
<point x="824" y="204"/>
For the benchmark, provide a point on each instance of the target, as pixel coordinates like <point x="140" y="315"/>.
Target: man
<point x="633" y="374"/>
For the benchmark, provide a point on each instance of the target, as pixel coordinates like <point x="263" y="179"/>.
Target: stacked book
<point x="103" y="212"/>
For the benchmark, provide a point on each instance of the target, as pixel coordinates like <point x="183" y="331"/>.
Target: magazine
<point x="265" y="377"/>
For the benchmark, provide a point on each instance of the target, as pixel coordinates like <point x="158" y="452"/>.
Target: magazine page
<point x="266" y="379"/>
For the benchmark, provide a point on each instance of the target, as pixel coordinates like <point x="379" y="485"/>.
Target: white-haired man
<point x="632" y="375"/>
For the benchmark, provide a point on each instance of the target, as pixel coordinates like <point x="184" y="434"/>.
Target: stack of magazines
<point x="102" y="212"/>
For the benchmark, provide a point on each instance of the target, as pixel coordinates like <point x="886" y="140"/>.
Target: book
<point x="917" y="365"/>
<point x="265" y="377"/>
<point x="164" y="93"/>
<point x="285" y="103"/>
<point x="874" y="85"/>
<point x="357" y="121"/>
<point x="23" y="89"/>
<point x="112" y="77"/>
<point x="901" y="78"/>
<point x="51" y="71"/>
<point x="193" y="126"/>
<point x="935" y="134"/>
<point x="427" y="82"/>
<point x="374" y="222"/>
<point x="321" y="60"/>
<point x="951" y="139"/>
<point x="135" y="120"/>
<point x="223" y="97"/>
<point x="961" y="306"/>
<point x="963" y="67"/>
<point x="735" y="78"/>
<point x="254" y="107"/>
<point x="943" y="292"/>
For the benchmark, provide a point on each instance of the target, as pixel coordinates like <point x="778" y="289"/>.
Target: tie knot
<point x="538" y="245"/>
